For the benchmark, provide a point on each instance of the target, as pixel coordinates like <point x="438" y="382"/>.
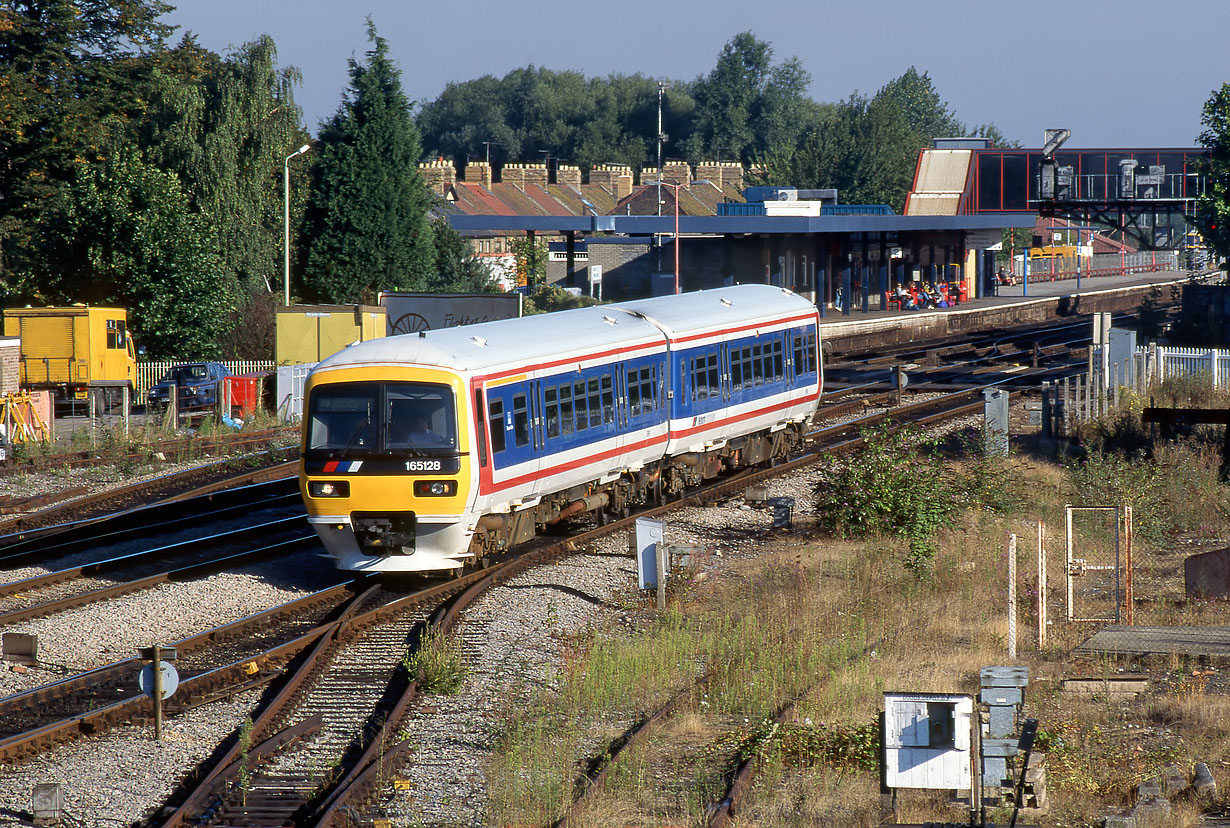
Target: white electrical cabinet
<point x="927" y="740"/>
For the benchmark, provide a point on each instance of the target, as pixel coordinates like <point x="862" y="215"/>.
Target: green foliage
<point x="1212" y="217"/>
<point x="840" y="746"/>
<point x="868" y="147"/>
<point x="896" y="485"/>
<point x="458" y="270"/>
<point x="438" y="664"/>
<point x="367" y="224"/>
<point x="531" y="255"/>
<point x="1112" y="479"/>
<point x="548" y="298"/>
<point x="225" y="127"/>
<point x="745" y="105"/>
<point x="986" y="479"/>
<point x="124" y="234"/>
<point x="69" y="75"/>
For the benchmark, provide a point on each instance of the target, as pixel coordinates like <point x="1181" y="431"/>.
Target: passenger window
<point x="565" y="408"/>
<point x="608" y="399"/>
<point x="714" y="377"/>
<point x="634" y="393"/>
<point x="736" y="371"/>
<point x="779" y="367"/>
<point x="495" y="421"/>
<point x="595" y="404"/>
<point x="578" y="400"/>
<point x="552" y="411"/>
<point x="521" y="420"/>
<point x="757" y="365"/>
<point x="700" y="388"/>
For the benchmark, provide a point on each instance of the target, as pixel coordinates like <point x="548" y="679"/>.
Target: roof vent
<point x="610" y="320"/>
<point x="422" y="334"/>
<point x="479" y="341"/>
<point x="726" y="302"/>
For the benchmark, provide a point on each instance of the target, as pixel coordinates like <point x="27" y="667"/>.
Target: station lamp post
<point x="660" y="183"/>
<point x="286" y="222"/>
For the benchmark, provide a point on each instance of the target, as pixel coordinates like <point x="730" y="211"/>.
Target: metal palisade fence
<point x="1098" y="392"/>
<point x="148" y="373"/>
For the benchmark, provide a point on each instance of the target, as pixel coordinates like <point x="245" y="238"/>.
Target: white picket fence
<point x="1094" y="394"/>
<point x="148" y="373"/>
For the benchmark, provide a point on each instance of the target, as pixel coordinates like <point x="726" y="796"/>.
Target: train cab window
<point x="565" y="409"/>
<point x="550" y="397"/>
<point x="495" y="421"/>
<point x="578" y="402"/>
<point x="608" y="399"/>
<point x="521" y="420"/>
<point x="418" y="416"/>
<point x="342" y="418"/>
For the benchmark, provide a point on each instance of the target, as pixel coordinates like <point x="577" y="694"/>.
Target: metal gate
<point x="1099" y="563"/>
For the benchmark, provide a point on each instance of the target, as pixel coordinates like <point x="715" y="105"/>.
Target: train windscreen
<point x="356" y="419"/>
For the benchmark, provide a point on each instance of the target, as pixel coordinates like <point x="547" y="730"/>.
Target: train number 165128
<point x="424" y="465"/>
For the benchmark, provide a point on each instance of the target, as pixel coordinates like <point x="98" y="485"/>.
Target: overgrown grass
<point x="831" y="618"/>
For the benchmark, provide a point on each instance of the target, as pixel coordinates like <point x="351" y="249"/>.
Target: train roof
<point x="708" y="310"/>
<point x="534" y="339"/>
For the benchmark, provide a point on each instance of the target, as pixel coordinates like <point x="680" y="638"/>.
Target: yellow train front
<point x="386" y="463"/>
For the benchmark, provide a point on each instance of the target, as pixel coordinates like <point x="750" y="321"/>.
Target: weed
<point x="437" y="664"/>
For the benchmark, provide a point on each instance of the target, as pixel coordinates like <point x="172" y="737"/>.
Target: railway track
<point x="348" y="800"/>
<point x="295" y="788"/>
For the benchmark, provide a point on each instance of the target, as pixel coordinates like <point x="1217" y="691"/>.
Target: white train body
<point x="540" y="418"/>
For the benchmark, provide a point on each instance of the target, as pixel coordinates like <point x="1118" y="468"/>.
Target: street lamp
<point x="286" y="220"/>
<point x="674" y="187"/>
<point x="662" y="87"/>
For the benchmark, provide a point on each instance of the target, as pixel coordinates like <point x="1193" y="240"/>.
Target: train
<point x="436" y="451"/>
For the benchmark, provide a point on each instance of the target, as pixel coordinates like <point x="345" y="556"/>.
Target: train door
<point x="516" y="446"/>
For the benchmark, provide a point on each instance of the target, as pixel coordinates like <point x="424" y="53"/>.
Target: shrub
<point x="896" y="485"/>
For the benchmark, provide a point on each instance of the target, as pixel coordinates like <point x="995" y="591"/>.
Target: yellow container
<point x="309" y="333"/>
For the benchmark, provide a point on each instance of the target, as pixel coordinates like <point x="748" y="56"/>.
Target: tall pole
<point x="286" y="222"/>
<point x="661" y="88"/>
<point x="676" y="238"/>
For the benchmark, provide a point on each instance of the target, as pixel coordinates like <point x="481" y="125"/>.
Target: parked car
<point x="197" y="383"/>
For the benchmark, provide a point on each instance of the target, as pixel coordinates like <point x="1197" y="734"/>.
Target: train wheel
<point x="658" y="494"/>
<point x="601" y="517"/>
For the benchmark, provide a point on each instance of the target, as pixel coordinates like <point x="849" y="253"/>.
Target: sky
<point x="1117" y="73"/>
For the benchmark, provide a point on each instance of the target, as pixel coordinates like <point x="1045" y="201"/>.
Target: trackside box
<point x="71" y="349"/>
<point x="309" y="333"/>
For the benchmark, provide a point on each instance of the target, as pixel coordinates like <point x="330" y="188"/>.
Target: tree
<point x="458" y="270"/>
<point x="531" y="256"/>
<point x="1212" y="217"/>
<point x="745" y="105"/>
<point x="124" y="233"/>
<point x="226" y="128"/>
<point x="66" y="90"/>
<point x="367" y="222"/>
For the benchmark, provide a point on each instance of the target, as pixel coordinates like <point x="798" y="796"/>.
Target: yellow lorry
<point x="70" y="350"/>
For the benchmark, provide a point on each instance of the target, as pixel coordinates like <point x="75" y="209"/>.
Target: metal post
<point x="662" y="571"/>
<point x="1067" y="510"/>
<point x="1041" y="587"/>
<point x="1127" y="532"/>
<point x="157" y="693"/>
<point x="1012" y="596"/>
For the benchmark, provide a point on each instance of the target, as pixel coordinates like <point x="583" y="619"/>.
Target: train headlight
<point x="435" y="488"/>
<point x="329" y="488"/>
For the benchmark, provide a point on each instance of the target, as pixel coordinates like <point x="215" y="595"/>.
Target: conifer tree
<point x="367" y="227"/>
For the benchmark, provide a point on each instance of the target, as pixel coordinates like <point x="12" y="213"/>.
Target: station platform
<point x="1012" y="306"/>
